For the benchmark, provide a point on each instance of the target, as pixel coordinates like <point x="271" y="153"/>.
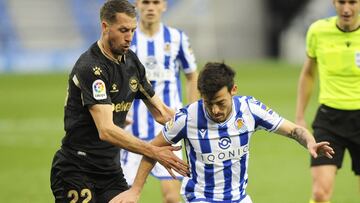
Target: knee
<point x="171" y="198"/>
<point x="322" y="193"/>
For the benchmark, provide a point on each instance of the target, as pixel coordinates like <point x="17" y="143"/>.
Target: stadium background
<point x="264" y="40"/>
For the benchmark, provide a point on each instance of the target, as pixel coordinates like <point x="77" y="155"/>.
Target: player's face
<point x="120" y="33"/>
<point x="220" y="106"/>
<point x="151" y="10"/>
<point x="348" y="12"/>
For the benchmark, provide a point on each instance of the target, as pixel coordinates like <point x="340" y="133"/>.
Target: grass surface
<point x="31" y="129"/>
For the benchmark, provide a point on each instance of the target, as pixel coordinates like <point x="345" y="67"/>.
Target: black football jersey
<point x="95" y="79"/>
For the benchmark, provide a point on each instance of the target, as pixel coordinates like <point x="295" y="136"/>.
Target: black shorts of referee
<point x="342" y="129"/>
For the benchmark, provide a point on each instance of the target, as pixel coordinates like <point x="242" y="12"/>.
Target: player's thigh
<point x="170" y="186"/>
<point x="323" y="175"/>
<point x="71" y="187"/>
<point x="110" y="186"/>
<point x="171" y="189"/>
<point x="354" y="150"/>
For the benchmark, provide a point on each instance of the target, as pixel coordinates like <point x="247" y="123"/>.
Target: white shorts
<point x="130" y="163"/>
<point x="247" y="199"/>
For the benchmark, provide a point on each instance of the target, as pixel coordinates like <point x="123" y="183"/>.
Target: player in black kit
<point x="102" y="85"/>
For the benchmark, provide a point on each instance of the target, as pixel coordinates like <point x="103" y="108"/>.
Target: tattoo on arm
<point x="298" y="134"/>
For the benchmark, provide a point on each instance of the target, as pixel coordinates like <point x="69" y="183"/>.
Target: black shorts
<point x="342" y="129"/>
<point x="72" y="184"/>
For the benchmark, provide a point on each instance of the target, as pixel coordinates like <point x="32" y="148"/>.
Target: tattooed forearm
<point x="299" y="135"/>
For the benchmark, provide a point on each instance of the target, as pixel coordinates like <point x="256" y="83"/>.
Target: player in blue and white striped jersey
<point x="165" y="52"/>
<point x="217" y="130"/>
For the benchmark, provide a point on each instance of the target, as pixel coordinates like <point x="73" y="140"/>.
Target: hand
<point x="128" y="196"/>
<point x="321" y="149"/>
<point x="166" y="157"/>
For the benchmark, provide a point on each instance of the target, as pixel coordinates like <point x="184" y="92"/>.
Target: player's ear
<point x="104" y="27"/>
<point x="233" y="90"/>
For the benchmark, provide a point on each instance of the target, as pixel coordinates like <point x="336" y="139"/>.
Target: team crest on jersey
<point x="239" y="123"/>
<point x="357" y="58"/>
<point x="114" y="88"/>
<point x="167" y="48"/>
<point x="133" y="84"/>
<point x="97" y="70"/>
<point x="224" y="142"/>
<point x="99" y="90"/>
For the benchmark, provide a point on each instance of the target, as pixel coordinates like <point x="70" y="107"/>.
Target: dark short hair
<point x="111" y="7"/>
<point x="213" y="77"/>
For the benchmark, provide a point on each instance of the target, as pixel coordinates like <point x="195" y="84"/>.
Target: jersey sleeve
<point x="311" y="41"/>
<point x="93" y="84"/>
<point x="174" y="130"/>
<point x="265" y="118"/>
<point x="145" y="89"/>
<point x="186" y="55"/>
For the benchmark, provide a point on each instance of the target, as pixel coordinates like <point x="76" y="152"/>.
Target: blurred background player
<point x="165" y="52"/>
<point x="217" y="130"/>
<point x="333" y="48"/>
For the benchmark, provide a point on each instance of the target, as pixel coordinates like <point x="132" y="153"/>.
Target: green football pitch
<point x="31" y="129"/>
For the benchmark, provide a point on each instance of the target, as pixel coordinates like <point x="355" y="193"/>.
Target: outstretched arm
<point x="109" y="132"/>
<point x="305" y="88"/>
<point x="133" y="194"/>
<point x="305" y="138"/>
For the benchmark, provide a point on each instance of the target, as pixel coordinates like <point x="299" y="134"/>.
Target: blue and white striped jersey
<point x="164" y="56"/>
<point x="218" y="153"/>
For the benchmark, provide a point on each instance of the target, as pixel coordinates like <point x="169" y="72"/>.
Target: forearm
<point x="119" y="137"/>
<point x="302" y="136"/>
<point x="305" y="88"/>
<point x="296" y="132"/>
<point x="159" y="110"/>
<point x="146" y="165"/>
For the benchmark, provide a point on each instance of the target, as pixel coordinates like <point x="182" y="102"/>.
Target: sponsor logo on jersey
<point x="233" y="153"/>
<point x="121" y="107"/>
<point x="114" y="88"/>
<point x="97" y="70"/>
<point x="224" y="142"/>
<point x="347" y="43"/>
<point x="202" y="132"/>
<point x="99" y="90"/>
<point x="133" y="84"/>
<point x="151" y="62"/>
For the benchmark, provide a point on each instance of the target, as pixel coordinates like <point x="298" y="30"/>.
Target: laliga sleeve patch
<point x="99" y="90"/>
<point x="169" y="125"/>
